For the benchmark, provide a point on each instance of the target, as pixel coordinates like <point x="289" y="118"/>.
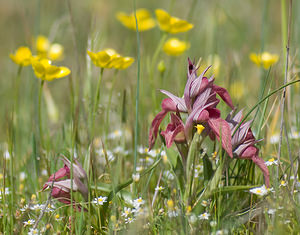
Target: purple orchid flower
<point x="62" y="188"/>
<point x="243" y="142"/>
<point x="199" y="102"/>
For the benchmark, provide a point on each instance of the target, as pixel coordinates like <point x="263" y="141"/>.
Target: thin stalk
<point x="96" y="102"/>
<point x="109" y="100"/>
<point x="137" y="98"/>
<point x="285" y="77"/>
<point x="40" y="114"/>
<point x="11" y="164"/>
<point x="17" y="88"/>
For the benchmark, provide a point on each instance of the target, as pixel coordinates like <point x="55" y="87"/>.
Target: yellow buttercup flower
<point x="144" y="19"/>
<point x="171" y="24"/>
<point x="47" y="50"/>
<point x="56" y="52"/>
<point x="42" y="45"/>
<point x="45" y="71"/>
<point x="109" y="58"/>
<point x="22" y="56"/>
<point x="265" y="59"/>
<point x="175" y="47"/>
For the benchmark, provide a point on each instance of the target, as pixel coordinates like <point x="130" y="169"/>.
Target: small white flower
<point x="213" y="223"/>
<point x="172" y="213"/>
<point x="115" y="134"/>
<point x="100" y="200"/>
<point x="287" y="221"/>
<point x="138" y="202"/>
<point x="33" y="231"/>
<point x="29" y="222"/>
<point x="294" y="135"/>
<point x="271" y="211"/>
<point x="26" y="207"/>
<point x="126" y="212"/>
<point x="139" y="168"/>
<point x="36" y="207"/>
<point x="136" y="177"/>
<point x="44" y="172"/>
<point x="283" y="183"/>
<point x="58" y="217"/>
<point x="261" y="191"/>
<point x="193" y="218"/>
<point x="129" y="220"/>
<point x="169" y="175"/>
<point x="271" y="162"/>
<point x="274" y="139"/>
<point x="159" y="188"/>
<point x="22" y="176"/>
<point x="204" y="216"/>
<point x="6" y="155"/>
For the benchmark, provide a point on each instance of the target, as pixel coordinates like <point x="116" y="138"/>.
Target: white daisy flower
<point x="169" y="175"/>
<point x="283" y="183"/>
<point x="33" y="231"/>
<point x="159" y="188"/>
<point x="100" y="200"/>
<point x="136" y="177"/>
<point x="29" y="222"/>
<point x="129" y="220"/>
<point x="271" y="211"/>
<point x="115" y="134"/>
<point x="138" y="202"/>
<point x="271" y="162"/>
<point x="6" y="155"/>
<point x="261" y="191"/>
<point x="204" y="216"/>
<point x="126" y="212"/>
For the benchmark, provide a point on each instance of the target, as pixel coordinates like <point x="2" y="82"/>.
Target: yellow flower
<point x="42" y="45"/>
<point x="45" y="71"/>
<point x="265" y="59"/>
<point x="109" y="58"/>
<point x="56" y="52"/>
<point x="47" y="50"/>
<point x="175" y="47"/>
<point x="171" y="24"/>
<point x="22" y="56"/>
<point x="144" y="19"/>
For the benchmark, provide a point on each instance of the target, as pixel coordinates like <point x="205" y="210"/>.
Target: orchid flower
<point x="243" y="143"/>
<point x="199" y="102"/>
<point x="62" y="188"/>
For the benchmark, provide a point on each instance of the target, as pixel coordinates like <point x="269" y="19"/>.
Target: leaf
<point x="207" y="169"/>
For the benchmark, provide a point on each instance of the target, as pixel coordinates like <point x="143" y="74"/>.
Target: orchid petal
<point x="221" y="127"/>
<point x="178" y="101"/>
<point x="223" y="93"/>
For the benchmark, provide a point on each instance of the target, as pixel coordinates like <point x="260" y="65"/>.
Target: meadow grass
<point x="88" y="128"/>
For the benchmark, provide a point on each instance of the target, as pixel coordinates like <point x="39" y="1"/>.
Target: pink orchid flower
<point x="62" y="188"/>
<point x="243" y="142"/>
<point x="199" y="103"/>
